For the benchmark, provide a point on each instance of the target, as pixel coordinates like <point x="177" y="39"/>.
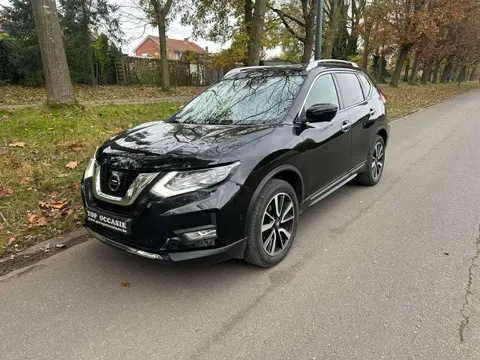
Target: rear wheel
<point x="272" y="224"/>
<point x="375" y="164"/>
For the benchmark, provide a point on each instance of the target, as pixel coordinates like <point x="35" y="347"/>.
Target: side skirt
<point x="333" y="186"/>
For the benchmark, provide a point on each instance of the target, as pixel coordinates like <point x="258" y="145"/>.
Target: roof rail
<point x="237" y="70"/>
<point x="316" y="63"/>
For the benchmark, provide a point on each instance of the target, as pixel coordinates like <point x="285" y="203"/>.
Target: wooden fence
<point x="140" y="71"/>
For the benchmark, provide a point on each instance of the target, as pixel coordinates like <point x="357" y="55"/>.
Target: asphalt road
<point x="390" y="272"/>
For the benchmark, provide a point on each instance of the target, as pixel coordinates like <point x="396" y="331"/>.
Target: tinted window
<point x="365" y="84"/>
<point x="323" y="91"/>
<point x="350" y="89"/>
<point x="260" y="97"/>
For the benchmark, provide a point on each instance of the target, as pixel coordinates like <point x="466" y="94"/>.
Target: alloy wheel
<point x="278" y="224"/>
<point x="378" y="160"/>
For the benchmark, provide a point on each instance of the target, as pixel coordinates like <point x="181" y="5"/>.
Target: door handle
<point x="373" y="112"/>
<point x="346" y="126"/>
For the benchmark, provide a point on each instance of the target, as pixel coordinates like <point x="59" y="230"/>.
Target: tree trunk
<point x="454" y="74"/>
<point x="412" y="80"/>
<point x="55" y="67"/>
<point x="407" y="70"/>
<point x="436" y="71"/>
<point x="447" y="70"/>
<point x="308" y="45"/>
<point x="473" y="74"/>
<point x="427" y="70"/>
<point x="255" y="42"/>
<point x="402" y="56"/>
<point x="161" y="12"/>
<point x="461" y="74"/>
<point x="366" y="48"/>
<point x="248" y="8"/>
<point x="163" y="54"/>
<point x="331" y="30"/>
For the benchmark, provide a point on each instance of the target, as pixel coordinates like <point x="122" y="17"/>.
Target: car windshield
<point x="258" y="98"/>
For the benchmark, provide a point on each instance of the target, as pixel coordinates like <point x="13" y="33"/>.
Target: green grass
<point x="52" y="139"/>
<point x="48" y="203"/>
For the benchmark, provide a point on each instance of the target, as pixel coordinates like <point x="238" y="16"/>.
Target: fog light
<point x="201" y="234"/>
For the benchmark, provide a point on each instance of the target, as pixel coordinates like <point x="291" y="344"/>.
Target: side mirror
<point x="321" y="112"/>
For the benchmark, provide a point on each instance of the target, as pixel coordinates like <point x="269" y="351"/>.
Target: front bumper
<point x="159" y="226"/>
<point x="235" y="250"/>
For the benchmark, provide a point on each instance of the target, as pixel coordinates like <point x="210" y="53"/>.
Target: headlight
<point x="90" y="168"/>
<point x="176" y="183"/>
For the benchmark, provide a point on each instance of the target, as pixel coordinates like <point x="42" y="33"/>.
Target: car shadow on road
<point x="117" y="266"/>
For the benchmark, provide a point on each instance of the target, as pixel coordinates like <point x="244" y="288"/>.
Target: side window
<point x="367" y="86"/>
<point x="323" y="91"/>
<point x="350" y="89"/>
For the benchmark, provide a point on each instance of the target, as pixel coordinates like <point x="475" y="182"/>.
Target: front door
<point x="327" y="144"/>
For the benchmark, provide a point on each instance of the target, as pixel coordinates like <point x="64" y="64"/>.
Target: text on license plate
<point x="108" y="221"/>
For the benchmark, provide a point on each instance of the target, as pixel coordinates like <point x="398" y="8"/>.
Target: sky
<point x="135" y="31"/>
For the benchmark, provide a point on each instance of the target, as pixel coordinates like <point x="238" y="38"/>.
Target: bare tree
<point x="254" y="43"/>
<point x="55" y="67"/>
<point x="161" y="10"/>
<point x="299" y="21"/>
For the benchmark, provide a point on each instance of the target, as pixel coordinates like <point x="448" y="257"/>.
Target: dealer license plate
<point x="109" y="221"/>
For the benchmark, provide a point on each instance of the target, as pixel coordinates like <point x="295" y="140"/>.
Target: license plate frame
<point x="107" y="220"/>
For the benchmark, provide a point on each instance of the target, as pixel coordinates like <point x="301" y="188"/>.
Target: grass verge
<point x="406" y="99"/>
<point x="43" y="154"/>
<point x="22" y="95"/>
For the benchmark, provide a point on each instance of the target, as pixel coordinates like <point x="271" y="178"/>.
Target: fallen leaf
<point x="5" y="191"/>
<point x="17" y="144"/>
<point x="41" y="221"/>
<point x="75" y="147"/>
<point x="11" y="240"/>
<point x="25" y="180"/>
<point x="125" y="283"/>
<point x="58" y="204"/>
<point x="72" y="164"/>
<point x="69" y="212"/>
<point x="32" y="218"/>
<point x="76" y="185"/>
<point x="61" y="246"/>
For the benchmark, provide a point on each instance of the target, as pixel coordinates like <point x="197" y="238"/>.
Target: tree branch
<point x="282" y="14"/>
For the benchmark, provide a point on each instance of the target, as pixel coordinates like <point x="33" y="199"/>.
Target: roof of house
<point x="175" y="44"/>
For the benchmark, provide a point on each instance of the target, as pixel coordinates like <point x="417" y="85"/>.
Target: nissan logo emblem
<point x="114" y="181"/>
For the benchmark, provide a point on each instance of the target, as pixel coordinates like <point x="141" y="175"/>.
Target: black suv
<point x="228" y="175"/>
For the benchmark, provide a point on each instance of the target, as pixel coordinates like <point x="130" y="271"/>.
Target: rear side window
<point x="350" y="89"/>
<point x="323" y="91"/>
<point x="367" y="86"/>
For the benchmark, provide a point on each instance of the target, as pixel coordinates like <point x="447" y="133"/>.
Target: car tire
<point x="273" y="215"/>
<point x="375" y="164"/>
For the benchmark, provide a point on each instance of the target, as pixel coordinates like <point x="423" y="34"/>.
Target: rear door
<point x="328" y="143"/>
<point x="356" y="102"/>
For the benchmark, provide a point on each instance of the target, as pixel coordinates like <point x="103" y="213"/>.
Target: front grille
<point x="116" y="182"/>
<point x="113" y="208"/>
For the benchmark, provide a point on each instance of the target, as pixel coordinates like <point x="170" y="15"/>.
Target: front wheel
<point x="272" y="224"/>
<point x="375" y="164"/>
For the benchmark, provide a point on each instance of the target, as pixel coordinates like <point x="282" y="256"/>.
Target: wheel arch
<point x="288" y="173"/>
<point x="383" y="133"/>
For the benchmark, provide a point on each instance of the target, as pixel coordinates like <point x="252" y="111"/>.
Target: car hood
<point x="158" y="146"/>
